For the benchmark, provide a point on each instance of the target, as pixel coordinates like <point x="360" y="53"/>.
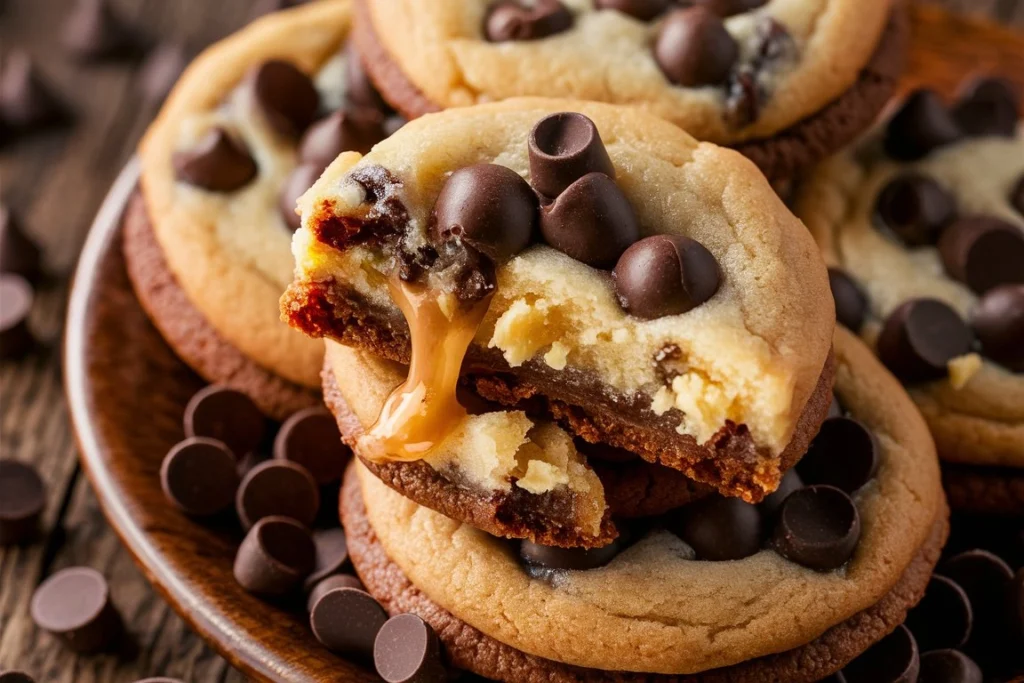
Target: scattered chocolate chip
<point x="15" y="677"/>
<point x="299" y="180"/>
<point x="748" y="87"/>
<point x="275" y="556"/>
<point x="915" y="208"/>
<point x="564" y="147"/>
<point x="817" y="527"/>
<point x="346" y="621"/>
<point x="331" y="554"/>
<point x="665" y="275"/>
<point x="998" y="321"/>
<point x="22" y="500"/>
<point x="161" y="70"/>
<point x="200" y="476"/>
<point x="983" y="252"/>
<point x="791" y="482"/>
<point x="894" y="659"/>
<point x="19" y="255"/>
<point x="353" y="130"/>
<point x="26" y="101"/>
<point x="324" y="586"/>
<point x="943" y="618"/>
<point x="311" y="438"/>
<point x="985" y="578"/>
<point x="74" y="605"/>
<point x="988" y="106"/>
<point x="948" y="666"/>
<point x="277" y="488"/>
<point x="218" y="163"/>
<point x="550" y="557"/>
<point x="93" y="31"/>
<point x="489" y="207"/>
<point x="719" y="528"/>
<point x="920" y="337"/>
<point x="16" y="297"/>
<point x="844" y="454"/>
<point x="693" y="48"/>
<point x="727" y="8"/>
<point x="921" y="125"/>
<point x="1017" y="196"/>
<point x="359" y="89"/>
<point x="851" y="302"/>
<point x="592" y="221"/>
<point x="407" y="650"/>
<point x="644" y="10"/>
<point x="515" y="20"/>
<point x="227" y="415"/>
<point x="285" y="96"/>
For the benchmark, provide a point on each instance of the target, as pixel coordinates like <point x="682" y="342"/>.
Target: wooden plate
<point x="127" y="392"/>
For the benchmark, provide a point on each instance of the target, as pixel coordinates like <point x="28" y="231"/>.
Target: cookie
<point x="784" y="84"/>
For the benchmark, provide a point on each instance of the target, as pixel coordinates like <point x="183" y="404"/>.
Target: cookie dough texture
<point x="651" y="610"/>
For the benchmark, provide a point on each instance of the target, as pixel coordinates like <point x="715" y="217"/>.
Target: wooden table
<point x="55" y="183"/>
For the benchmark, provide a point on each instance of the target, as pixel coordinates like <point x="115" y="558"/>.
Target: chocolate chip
<point x="693" y="48"/>
<point x="515" y="20"/>
<point x="311" y="438"/>
<point x="592" y="221"/>
<point x="915" y="208"/>
<point x="277" y="488"/>
<point x="488" y="206"/>
<point x="275" y="556"/>
<point x="22" y="500"/>
<point x="943" y="618"/>
<point x="200" y="476"/>
<point x="354" y="130"/>
<point x="983" y="252"/>
<point x="921" y="125"/>
<point x="920" y="337"/>
<point x="844" y="454"/>
<point x="748" y="87"/>
<point x="727" y="8"/>
<point x="346" y="621"/>
<point x="644" y="10"/>
<point x="407" y="650"/>
<point x="19" y="255"/>
<point x="359" y="89"/>
<point x="948" y="666"/>
<point x="564" y="147"/>
<point x="894" y="659"/>
<point x="324" y="586"/>
<point x="791" y="482"/>
<point x="1017" y="196"/>
<point x="26" y="101"/>
<point x="665" y="275"/>
<point x="985" y="578"/>
<point x="851" y="302"/>
<point x="331" y="554"/>
<point x="550" y="557"/>
<point x="998" y="320"/>
<point x="74" y="605"/>
<point x="298" y="182"/>
<point x="226" y="415"/>
<point x="285" y="96"/>
<point x="818" y="527"/>
<point x="988" y="106"/>
<point x="218" y="163"/>
<point x="719" y="528"/>
<point x="16" y="338"/>
<point x="161" y="70"/>
<point x="93" y="31"/>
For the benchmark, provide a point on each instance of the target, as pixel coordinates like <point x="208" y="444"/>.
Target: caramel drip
<point x="423" y="411"/>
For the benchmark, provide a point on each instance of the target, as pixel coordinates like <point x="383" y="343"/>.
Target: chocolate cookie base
<point x="780" y="156"/>
<point x="189" y="333"/>
<point x="469" y="649"/>
<point x="984" y="490"/>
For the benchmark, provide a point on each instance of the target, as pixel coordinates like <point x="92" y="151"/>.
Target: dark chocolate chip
<point x="516" y="20"/>
<point x="352" y="130"/>
<point x="26" y="101"/>
<point x="915" y="208"/>
<point x="835" y="408"/>
<point x="227" y="415"/>
<point x="74" y="605"/>
<point x="15" y="677"/>
<point x="791" y="482"/>
<point x="592" y="221"/>
<point x="693" y="48"/>
<point x="844" y="454"/>
<point x="218" y="163"/>
<point x="324" y="586"/>
<point x="550" y="557"/>
<point x="998" y="321"/>
<point x="346" y="621"/>
<point x="851" y="302"/>
<point x="299" y="180"/>
<point x="894" y="659"/>
<point x="275" y="556"/>
<point x="200" y="476"/>
<point x="407" y="650"/>
<point x="94" y="31"/>
<point x="16" y="338"/>
<point x="727" y="8"/>
<point x="488" y="206"/>
<point x="665" y="275"/>
<point x="921" y="125"/>
<point x="644" y="10"/>
<point x="983" y="252"/>
<point x="948" y="666"/>
<point x="277" y="488"/>
<point x="18" y="254"/>
<point x="920" y="337"/>
<point x="331" y="554"/>
<point x="1017" y="196"/>
<point x="359" y="89"/>
<point x="22" y="500"/>
<point x="988" y="106"/>
<point x="161" y="70"/>
<point x="719" y="528"/>
<point x="285" y="96"/>
<point x="311" y="438"/>
<point x="943" y="618"/>
<point x="564" y="147"/>
<point x="747" y="91"/>
<point x="985" y="578"/>
<point x="817" y="527"/>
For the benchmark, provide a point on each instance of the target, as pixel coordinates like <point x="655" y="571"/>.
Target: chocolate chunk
<point x="275" y="556"/>
<point x="22" y="500"/>
<point x="693" y="48"/>
<point x="727" y="8"/>
<point x="226" y="415"/>
<point x="299" y="180"/>
<point x="791" y="482"/>
<point x="893" y="659"/>
<point x="407" y="650"/>
<point x="331" y="554"/>
<point x="359" y="89"/>
<point x="16" y="297"/>
<point x="550" y="557"/>
<point x="915" y="208"/>
<point x="988" y="106"/>
<point x="74" y="605"/>
<point x="922" y="125"/>
<point x="948" y="666"/>
<point x="93" y="31"/>
<point x="354" y="130"/>
<point x="665" y="275"/>
<point x="564" y="147"/>
<point x="851" y="302"/>
<point x="489" y="207"/>
<point x="844" y="454"/>
<point x="983" y="252"/>
<point x="324" y="586"/>
<point x="277" y="488"/>
<point x="200" y="476"/>
<point x="943" y="618"/>
<point x="516" y="20"/>
<point x="346" y="621"/>
<point x="26" y="101"/>
<point x="920" y="337"/>
<point x="719" y="528"/>
<point x="985" y="578"/>
<point x="15" y="677"/>
<point x="998" y="320"/>
<point x="817" y="527"/>
<point x="592" y="221"/>
<point x="218" y="163"/>
<point x="644" y="10"/>
<point x="1017" y="196"/>
<point x="19" y="255"/>
<point x="311" y="438"/>
<point x="161" y="70"/>
<point x="285" y="96"/>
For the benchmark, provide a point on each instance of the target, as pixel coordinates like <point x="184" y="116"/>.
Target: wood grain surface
<point x="56" y="183"/>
